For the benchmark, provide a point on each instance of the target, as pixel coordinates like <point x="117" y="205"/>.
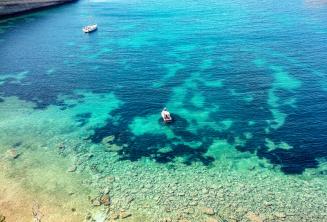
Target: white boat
<point x="166" y="115"/>
<point x="90" y="28"/>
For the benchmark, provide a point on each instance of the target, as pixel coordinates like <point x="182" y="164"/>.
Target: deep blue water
<point x="258" y="65"/>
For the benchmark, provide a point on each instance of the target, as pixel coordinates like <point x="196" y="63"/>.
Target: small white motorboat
<point x="90" y="28"/>
<point x="166" y="115"/>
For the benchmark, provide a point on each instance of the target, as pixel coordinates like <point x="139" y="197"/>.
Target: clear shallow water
<point x="239" y="70"/>
<point x="246" y="80"/>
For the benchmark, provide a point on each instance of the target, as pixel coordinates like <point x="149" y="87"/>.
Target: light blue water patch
<point x="283" y="80"/>
<point x="150" y="124"/>
<point x="98" y="106"/>
<point x="171" y="71"/>
<point x="198" y="100"/>
<point x="206" y="64"/>
<point x="137" y="40"/>
<point x="259" y="63"/>
<point x="213" y="83"/>
<point x="244" y="96"/>
<point x="50" y="71"/>
<point x="13" y="78"/>
<point x="281" y="145"/>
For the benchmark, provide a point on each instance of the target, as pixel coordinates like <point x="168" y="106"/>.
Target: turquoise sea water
<point x="242" y="79"/>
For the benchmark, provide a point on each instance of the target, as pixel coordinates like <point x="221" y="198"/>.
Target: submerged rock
<point x="2" y="218"/>
<point x="108" y="139"/>
<point x="124" y="214"/>
<point x="114" y="148"/>
<point x="280" y="215"/>
<point x="105" y="200"/>
<point x="253" y="217"/>
<point x="96" y="203"/>
<point x="208" y="211"/>
<point x="211" y="219"/>
<point x="114" y="216"/>
<point x="12" y="154"/>
<point x="168" y="219"/>
<point x="72" y="168"/>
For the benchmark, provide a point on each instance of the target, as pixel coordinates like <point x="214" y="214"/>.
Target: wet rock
<point x="253" y="217"/>
<point x="208" y="211"/>
<point x="105" y="200"/>
<point x="2" y="218"/>
<point x="13" y="154"/>
<point x="72" y="168"/>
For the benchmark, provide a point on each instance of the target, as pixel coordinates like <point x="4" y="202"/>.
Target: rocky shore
<point x="10" y="8"/>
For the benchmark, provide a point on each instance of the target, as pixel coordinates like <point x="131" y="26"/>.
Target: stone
<point x="12" y="154"/>
<point x="2" y="218"/>
<point x="280" y="215"/>
<point x="108" y="139"/>
<point x="205" y="191"/>
<point x="211" y="219"/>
<point x="114" y="148"/>
<point x="110" y="179"/>
<point x="168" y="219"/>
<point x="96" y="203"/>
<point x="253" y="217"/>
<point x="114" y="216"/>
<point x="124" y="214"/>
<point x="129" y="199"/>
<point x="106" y="190"/>
<point x="208" y="211"/>
<point x="105" y="200"/>
<point x="72" y="168"/>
